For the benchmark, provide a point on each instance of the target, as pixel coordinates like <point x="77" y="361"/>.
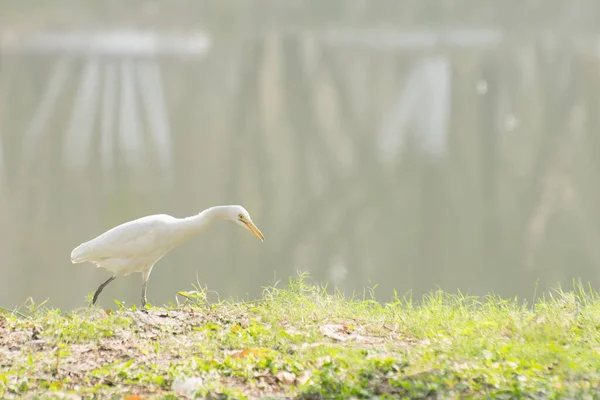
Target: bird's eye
<point x="240" y="216"/>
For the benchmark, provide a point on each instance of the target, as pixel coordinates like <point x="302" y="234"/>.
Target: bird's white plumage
<point x="131" y="246"/>
<point x="126" y="240"/>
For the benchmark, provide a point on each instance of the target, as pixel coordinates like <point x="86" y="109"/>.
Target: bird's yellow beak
<point x="254" y="229"/>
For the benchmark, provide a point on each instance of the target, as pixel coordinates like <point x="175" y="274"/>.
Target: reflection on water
<point x="363" y="164"/>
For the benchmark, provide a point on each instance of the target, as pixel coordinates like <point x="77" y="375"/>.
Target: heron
<point x="137" y="245"/>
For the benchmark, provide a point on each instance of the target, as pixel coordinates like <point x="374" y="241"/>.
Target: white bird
<point x="137" y="245"/>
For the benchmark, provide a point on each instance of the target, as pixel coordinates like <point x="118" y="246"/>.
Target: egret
<point x="136" y="246"/>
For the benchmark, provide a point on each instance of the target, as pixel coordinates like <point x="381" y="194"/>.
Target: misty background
<point x="412" y="145"/>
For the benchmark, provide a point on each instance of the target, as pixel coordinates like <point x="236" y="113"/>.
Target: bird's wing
<point x="134" y="238"/>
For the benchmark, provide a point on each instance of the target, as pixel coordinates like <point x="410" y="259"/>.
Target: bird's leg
<point x="144" y="300"/>
<point x="145" y="276"/>
<point x="100" y="288"/>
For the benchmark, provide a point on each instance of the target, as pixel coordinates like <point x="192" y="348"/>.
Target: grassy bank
<point x="299" y="342"/>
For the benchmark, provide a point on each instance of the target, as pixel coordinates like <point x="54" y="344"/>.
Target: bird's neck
<point x="203" y="220"/>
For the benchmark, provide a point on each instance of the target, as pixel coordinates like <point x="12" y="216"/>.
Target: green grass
<point x="303" y="342"/>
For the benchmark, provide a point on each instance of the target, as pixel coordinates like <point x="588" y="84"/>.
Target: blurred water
<point x="461" y="155"/>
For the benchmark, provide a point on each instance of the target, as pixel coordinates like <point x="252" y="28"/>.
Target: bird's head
<point x="239" y="215"/>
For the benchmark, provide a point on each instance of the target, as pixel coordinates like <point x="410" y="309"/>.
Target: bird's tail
<point x="77" y="255"/>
